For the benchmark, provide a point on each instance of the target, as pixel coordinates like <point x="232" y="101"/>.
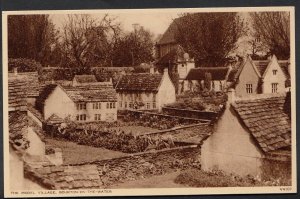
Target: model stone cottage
<point x="171" y="55"/>
<point x="219" y="76"/>
<point x="263" y="76"/>
<point x="250" y="133"/>
<point x="82" y="102"/>
<point x="145" y="91"/>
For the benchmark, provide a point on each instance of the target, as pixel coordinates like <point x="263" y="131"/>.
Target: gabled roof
<point x="139" y="82"/>
<point x="261" y="66"/>
<point x="268" y="121"/>
<point x="169" y="35"/>
<point x="176" y="55"/>
<point x="91" y="93"/>
<point x="54" y="119"/>
<point x="85" y="78"/>
<point x="284" y="64"/>
<point x="217" y="73"/>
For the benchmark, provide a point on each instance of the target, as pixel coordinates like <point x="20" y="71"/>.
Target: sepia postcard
<point x="134" y="102"/>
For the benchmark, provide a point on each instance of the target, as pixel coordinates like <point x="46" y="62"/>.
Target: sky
<point x="156" y="22"/>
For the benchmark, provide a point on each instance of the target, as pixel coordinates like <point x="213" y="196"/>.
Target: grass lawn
<point x="135" y="130"/>
<point x="162" y="181"/>
<point x="74" y="153"/>
<point x="199" y="178"/>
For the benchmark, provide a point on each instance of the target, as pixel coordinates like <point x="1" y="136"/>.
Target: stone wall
<point x="105" y="173"/>
<point x="206" y="115"/>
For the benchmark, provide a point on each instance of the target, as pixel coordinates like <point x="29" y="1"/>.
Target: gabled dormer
<point x="274" y="77"/>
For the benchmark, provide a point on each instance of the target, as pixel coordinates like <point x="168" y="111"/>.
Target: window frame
<point x="249" y="88"/>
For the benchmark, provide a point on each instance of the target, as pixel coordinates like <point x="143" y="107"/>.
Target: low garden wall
<point x="110" y="138"/>
<point x="157" y="120"/>
<point x="206" y="115"/>
<point x="126" y="168"/>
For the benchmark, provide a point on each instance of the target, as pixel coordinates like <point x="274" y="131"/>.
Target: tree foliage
<point x="209" y="37"/>
<point x="273" y="28"/>
<point x="88" y="41"/>
<point x="30" y="36"/>
<point x="134" y="48"/>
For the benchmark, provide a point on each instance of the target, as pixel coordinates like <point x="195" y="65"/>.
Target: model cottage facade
<point x="145" y="91"/>
<point x="263" y="76"/>
<point x="82" y="103"/>
<point x="252" y="137"/>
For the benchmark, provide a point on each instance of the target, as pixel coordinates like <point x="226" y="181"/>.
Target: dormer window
<point x="274" y="72"/>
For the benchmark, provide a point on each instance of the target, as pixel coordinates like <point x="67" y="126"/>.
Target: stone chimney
<point x="166" y="71"/>
<point x="15" y="70"/>
<point x="151" y="69"/>
<point x="231" y="96"/>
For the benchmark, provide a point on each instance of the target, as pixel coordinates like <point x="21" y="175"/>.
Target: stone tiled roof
<point x="268" y="120"/>
<point x="54" y="119"/>
<point x="217" y="73"/>
<point x="232" y="75"/>
<point x="90" y="93"/>
<point x="30" y="79"/>
<point x="284" y="64"/>
<point x="261" y="66"/>
<point x="169" y="35"/>
<point x="139" y="82"/>
<point x="18" y="123"/>
<point x="17" y="95"/>
<point x="68" y="177"/>
<point x="85" y="78"/>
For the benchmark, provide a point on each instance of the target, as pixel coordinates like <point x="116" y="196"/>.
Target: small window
<point x="274" y="87"/>
<point x="148" y="105"/>
<point x="125" y="104"/>
<point x="154" y="105"/>
<point x="77" y="117"/>
<point x="114" y="104"/>
<point x="97" y="117"/>
<point x="274" y="72"/>
<point x="111" y="105"/>
<point x="249" y="88"/>
<point x="81" y="106"/>
<point x="81" y="117"/>
<point x="107" y="105"/>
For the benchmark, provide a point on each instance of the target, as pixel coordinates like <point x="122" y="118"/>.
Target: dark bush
<point x="23" y="65"/>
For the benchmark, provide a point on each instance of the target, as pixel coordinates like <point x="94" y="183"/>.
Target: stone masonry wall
<point x="105" y="173"/>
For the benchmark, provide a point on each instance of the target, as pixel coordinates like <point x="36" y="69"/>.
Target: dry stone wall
<point x="105" y="173"/>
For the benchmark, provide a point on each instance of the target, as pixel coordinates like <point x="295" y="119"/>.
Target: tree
<point x="87" y="41"/>
<point x="134" y="48"/>
<point x="30" y="36"/>
<point x="209" y="37"/>
<point x="274" y="30"/>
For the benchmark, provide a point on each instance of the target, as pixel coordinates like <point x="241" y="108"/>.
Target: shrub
<point x="23" y="65"/>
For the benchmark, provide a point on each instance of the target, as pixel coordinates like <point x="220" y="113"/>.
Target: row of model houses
<point x="85" y="99"/>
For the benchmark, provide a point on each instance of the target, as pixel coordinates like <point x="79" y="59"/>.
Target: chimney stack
<point x="166" y="71"/>
<point x="231" y="95"/>
<point x="15" y="70"/>
<point x="151" y="70"/>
